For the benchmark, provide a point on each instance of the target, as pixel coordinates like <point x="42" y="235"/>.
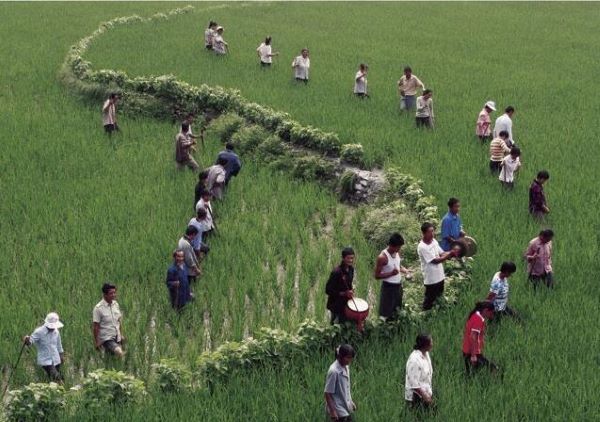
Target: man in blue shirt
<point x="451" y="225"/>
<point x="234" y="165"/>
<point x="178" y="282"/>
<point x="49" y="346"/>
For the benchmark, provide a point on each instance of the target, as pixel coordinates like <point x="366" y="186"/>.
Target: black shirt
<point x="339" y="281"/>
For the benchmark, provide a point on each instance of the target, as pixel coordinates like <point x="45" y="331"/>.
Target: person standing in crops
<point x="200" y="186"/>
<point x="389" y="269"/>
<point x="339" y="287"/>
<point x="504" y="123"/>
<point x="191" y="260"/>
<point x="418" y="391"/>
<point x="220" y="46"/>
<point x="510" y="165"/>
<point x="109" y="114"/>
<point x="183" y="146"/>
<point x="425" y="116"/>
<point x="49" y="346"/>
<point x="483" y="128"/>
<point x="360" y="81"/>
<point x="537" y="198"/>
<point x="452" y="228"/>
<point x="178" y="282"/>
<point x="338" y="397"/>
<point x="201" y="223"/>
<point x="407" y="88"/>
<point x="432" y="257"/>
<point x="204" y="202"/>
<point x="474" y="338"/>
<point x="265" y="53"/>
<point x="233" y="165"/>
<point x="499" y="287"/>
<point x="539" y="259"/>
<point x="106" y="321"/>
<point x="215" y="182"/>
<point x="209" y="35"/>
<point x="498" y="150"/>
<point x="301" y="66"/>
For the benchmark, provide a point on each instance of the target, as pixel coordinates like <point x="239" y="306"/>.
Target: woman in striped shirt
<point x="498" y="150"/>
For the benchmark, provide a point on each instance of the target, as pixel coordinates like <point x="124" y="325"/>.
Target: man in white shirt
<point x="301" y="65"/>
<point x="407" y="88"/>
<point x="106" y="322"/>
<point x="265" y="53"/>
<point x="432" y="257"/>
<point x="49" y="346"/>
<point x="109" y="114"/>
<point x="418" y="391"/>
<point x="360" y="81"/>
<point x="389" y="269"/>
<point x="424" y="116"/>
<point x="504" y="123"/>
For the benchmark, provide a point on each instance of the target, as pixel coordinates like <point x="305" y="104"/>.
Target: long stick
<point x="13" y="370"/>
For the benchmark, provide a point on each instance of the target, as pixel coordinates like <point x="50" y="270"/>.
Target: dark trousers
<point x="484" y="139"/>
<point x="423" y="122"/>
<point x="53" y="372"/>
<point x="482" y="362"/>
<point x="432" y="292"/>
<point x="342" y="419"/>
<point x="418" y="404"/>
<point x="545" y="279"/>
<point x="390" y="300"/>
<point x="338" y="317"/>
<point x="495" y="167"/>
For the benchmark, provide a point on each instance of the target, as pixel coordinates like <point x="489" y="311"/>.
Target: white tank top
<point x="392" y="263"/>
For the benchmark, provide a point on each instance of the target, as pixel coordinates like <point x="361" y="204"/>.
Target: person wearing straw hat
<point x="50" y="353"/>
<point x="484" y="129"/>
<point x="220" y="46"/>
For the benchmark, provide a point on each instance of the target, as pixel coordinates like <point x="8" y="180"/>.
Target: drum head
<point x="358" y="305"/>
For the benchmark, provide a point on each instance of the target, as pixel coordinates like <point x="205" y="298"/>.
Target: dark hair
<point x="344" y="350"/>
<point x="407" y="69"/>
<point x="509" y="109"/>
<point x="363" y="66"/>
<point x="211" y="23"/>
<point x="347" y="251"/>
<point x="107" y="287"/>
<point x="515" y="151"/>
<point x="203" y="175"/>
<point x="543" y="174"/>
<point x="503" y="134"/>
<point x="113" y="95"/>
<point x="221" y="161"/>
<point x="191" y="230"/>
<point x="201" y="212"/>
<point x="396" y="239"/>
<point x="185" y="127"/>
<point x="452" y="202"/>
<point x="480" y="306"/>
<point x="427" y="91"/>
<point x="205" y="192"/>
<point x="229" y="146"/>
<point x="176" y="251"/>
<point x="423" y="340"/>
<point x="268" y="41"/>
<point x="426" y="226"/>
<point x="508" y="267"/>
<point x="547" y="233"/>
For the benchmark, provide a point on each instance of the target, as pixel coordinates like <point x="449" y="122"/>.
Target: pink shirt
<point x="543" y="262"/>
<point x="483" y="124"/>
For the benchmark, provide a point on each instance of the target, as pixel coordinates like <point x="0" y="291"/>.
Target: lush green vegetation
<point x="78" y="209"/>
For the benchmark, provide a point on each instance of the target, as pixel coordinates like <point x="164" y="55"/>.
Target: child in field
<point x="209" y="34"/>
<point x="499" y="290"/>
<point x="360" y="81"/>
<point x="498" y="149"/>
<point x="338" y="398"/>
<point x="510" y="165"/>
<point x="220" y="46"/>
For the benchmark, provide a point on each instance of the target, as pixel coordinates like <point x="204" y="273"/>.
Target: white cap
<point x="52" y="321"/>
<point x="491" y="105"/>
<point x="219" y="28"/>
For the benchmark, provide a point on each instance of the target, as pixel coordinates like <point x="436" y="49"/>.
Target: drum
<point x="357" y="310"/>
<point x="467" y="246"/>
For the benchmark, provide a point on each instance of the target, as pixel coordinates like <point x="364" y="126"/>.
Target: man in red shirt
<point x="473" y="338"/>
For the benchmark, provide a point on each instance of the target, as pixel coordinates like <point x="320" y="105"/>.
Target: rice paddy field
<point x="78" y="209"/>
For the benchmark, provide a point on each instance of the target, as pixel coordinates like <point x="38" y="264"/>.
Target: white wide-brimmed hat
<point x="52" y="321"/>
<point x="491" y="105"/>
<point x="219" y="28"/>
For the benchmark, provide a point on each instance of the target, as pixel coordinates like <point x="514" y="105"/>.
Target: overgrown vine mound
<point x="274" y="138"/>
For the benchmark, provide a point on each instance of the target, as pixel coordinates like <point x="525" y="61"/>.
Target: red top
<point x="475" y="324"/>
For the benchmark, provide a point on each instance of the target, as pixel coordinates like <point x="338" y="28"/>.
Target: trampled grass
<point x="77" y="211"/>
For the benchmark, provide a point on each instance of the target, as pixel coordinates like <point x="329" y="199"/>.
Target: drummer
<point x="388" y="269"/>
<point x="451" y="225"/>
<point x="339" y="286"/>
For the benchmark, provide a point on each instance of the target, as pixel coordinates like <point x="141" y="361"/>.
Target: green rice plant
<point x="226" y="126"/>
<point x="107" y="387"/>
<point x="36" y="402"/>
<point x="246" y="139"/>
<point x="352" y="154"/>
<point x="172" y="376"/>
